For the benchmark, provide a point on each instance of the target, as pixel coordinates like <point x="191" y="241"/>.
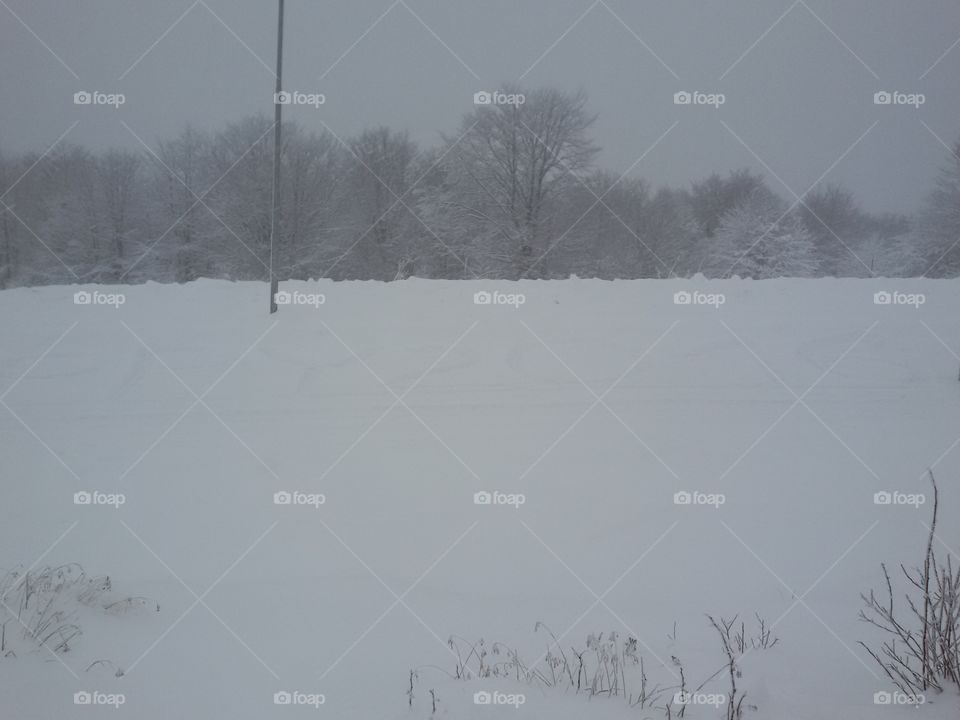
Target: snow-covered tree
<point x="714" y="197"/>
<point x="120" y="200"/>
<point x="757" y="240"/>
<point x="832" y="216"/>
<point x="182" y="178"/>
<point x="516" y="157"/>
<point x="940" y="223"/>
<point x="380" y="176"/>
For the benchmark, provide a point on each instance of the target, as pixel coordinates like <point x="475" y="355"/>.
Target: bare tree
<point x="187" y="157"/>
<point x="517" y="156"/>
<point x="118" y="173"/>
<point x="379" y="180"/>
<point x="941" y="221"/>
<point x="833" y="218"/>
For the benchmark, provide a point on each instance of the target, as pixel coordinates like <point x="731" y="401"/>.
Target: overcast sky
<point x="798" y="77"/>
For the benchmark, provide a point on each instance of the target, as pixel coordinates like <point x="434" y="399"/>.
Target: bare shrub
<point x="922" y="651"/>
<point x="43" y="604"/>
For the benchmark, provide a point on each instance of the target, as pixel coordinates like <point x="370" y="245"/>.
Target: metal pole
<point x="275" y="211"/>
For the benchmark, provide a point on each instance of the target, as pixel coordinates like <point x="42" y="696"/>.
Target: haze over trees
<point x="513" y="193"/>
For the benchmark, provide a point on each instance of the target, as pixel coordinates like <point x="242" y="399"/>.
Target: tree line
<point x="513" y="193"/>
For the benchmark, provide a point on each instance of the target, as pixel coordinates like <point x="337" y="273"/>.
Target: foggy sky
<point x="799" y="99"/>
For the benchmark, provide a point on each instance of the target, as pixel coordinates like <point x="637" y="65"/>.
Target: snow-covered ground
<point x="795" y="400"/>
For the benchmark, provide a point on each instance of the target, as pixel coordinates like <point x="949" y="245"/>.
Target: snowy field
<point x="785" y="409"/>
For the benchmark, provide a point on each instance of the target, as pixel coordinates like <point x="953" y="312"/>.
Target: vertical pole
<point x="277" y="119"/>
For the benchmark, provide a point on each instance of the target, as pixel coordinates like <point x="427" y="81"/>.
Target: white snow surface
<point x="598" y="401"/>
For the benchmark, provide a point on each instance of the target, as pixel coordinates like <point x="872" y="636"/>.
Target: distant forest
<point x="513" y="192"/>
